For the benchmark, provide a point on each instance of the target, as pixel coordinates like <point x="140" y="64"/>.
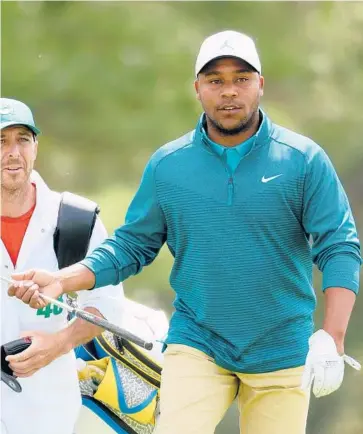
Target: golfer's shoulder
<point x="172" y="149"/>
<point x="299" y="144"/>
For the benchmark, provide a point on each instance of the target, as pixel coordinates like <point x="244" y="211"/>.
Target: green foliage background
<point x="110" y="82"/>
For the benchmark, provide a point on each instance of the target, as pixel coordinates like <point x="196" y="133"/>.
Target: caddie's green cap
<point x="13" y="112"/>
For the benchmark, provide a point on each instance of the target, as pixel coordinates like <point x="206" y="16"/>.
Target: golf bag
<point x="119" y="381"/>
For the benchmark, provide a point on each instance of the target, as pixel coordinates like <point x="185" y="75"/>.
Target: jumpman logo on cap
<point x="226" y="46"/>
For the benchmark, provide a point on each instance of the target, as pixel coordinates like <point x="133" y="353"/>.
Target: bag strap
<point x="76" y="220"/>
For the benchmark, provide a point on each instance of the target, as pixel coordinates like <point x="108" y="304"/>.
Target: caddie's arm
<point x="47" y="347"/>
<point x="79" y="332"/>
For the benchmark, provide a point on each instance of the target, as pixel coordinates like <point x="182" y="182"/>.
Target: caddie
<point x="50" y="399"/>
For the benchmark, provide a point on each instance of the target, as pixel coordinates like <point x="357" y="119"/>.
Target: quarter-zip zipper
<point x="230" y="190"/>
<point x="230" y="182"/>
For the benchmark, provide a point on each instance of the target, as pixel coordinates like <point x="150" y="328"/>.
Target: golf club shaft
<point x="94" y="319"/>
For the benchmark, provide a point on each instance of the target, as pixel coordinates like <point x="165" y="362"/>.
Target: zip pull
<point x="230" y="190"/>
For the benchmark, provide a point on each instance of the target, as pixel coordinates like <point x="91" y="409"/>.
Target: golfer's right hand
<point x="28" y="286"/>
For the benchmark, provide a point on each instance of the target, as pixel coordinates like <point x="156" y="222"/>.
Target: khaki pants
<point x="196" y="393"/>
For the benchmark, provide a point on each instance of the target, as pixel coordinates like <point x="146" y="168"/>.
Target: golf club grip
<point x="113" y="329"/>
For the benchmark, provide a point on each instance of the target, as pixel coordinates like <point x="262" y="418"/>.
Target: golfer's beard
<point x="245" y="125"/>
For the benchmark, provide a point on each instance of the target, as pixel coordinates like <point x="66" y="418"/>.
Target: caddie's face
<point x="229" y="91"/>
<point x="18" y="154"/>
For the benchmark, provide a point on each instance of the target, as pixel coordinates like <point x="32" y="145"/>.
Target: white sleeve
<point x="108" y="300"/>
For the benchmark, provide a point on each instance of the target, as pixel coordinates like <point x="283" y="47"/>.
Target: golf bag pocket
<point x="126" y="392"/>
<point x="123" y="379"/>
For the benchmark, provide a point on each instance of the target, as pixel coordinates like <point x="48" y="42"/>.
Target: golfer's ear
<point x="196" y="87"/>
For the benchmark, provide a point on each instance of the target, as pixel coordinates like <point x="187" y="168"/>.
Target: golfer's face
<point x="229" y="91"/>
<point x="18" y="154"/>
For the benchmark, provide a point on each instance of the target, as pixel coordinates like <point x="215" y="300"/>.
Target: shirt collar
<point x="261" y="137"/>
<point x="219" y="149"/>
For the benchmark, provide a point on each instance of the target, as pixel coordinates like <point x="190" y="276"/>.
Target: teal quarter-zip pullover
<point x="242" y="270"/>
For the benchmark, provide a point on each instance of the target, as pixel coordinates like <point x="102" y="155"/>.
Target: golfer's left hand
<point x="45" y="348"/>
<point x="324" y="366"/>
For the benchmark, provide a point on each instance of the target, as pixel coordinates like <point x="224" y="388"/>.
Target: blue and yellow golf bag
<point x="120" y="383"/>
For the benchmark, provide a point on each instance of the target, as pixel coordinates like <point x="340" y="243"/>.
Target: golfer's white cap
<point x="228" y="44"/>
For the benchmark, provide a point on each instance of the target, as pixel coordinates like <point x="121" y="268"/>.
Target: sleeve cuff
<point x="342" y="271"/>
<point x="104" y="277"/>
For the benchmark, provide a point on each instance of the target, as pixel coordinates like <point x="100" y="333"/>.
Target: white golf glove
<point x="324" y="366"/>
